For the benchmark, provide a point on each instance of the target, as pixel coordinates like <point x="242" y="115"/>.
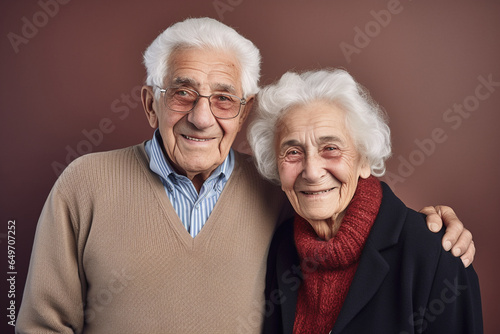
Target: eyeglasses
<point x="223" y="106"/>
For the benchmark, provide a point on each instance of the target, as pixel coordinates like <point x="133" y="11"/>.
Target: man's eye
<point x="182" y="92"/>
<point x="224" y="98"/>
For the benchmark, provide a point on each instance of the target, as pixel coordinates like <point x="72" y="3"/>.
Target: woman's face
<point x="318" y="163"/>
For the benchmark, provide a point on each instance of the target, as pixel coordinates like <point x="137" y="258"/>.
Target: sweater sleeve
<point x="52" y="301"/>
<point x="454" y="304"/>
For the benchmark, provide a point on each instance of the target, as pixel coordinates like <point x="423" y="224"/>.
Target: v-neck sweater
<point x="111" y="255"/>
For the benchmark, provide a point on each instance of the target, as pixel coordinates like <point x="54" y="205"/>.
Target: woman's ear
<point x="366" y="170"/>
<point x="149" y="105"/>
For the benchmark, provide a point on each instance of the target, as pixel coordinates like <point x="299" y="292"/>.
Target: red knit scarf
<point x="329" y="266"/>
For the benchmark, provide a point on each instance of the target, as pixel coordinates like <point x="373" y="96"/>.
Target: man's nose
<point x="201" y="116"/>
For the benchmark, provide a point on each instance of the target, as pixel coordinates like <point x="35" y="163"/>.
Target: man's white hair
<point x="202" y="33"/>
<point x="365" y="120"/>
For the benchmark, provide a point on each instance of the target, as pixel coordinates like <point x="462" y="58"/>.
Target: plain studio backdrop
<point x="71" y="73"/>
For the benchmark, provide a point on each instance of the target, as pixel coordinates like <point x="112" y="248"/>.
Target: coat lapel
<point x="369" y="276"/>
<point x="289" y="279"/>
<point x="373" y="268"/>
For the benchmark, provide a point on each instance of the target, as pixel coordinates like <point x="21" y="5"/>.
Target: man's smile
<point x="196" y="139"/>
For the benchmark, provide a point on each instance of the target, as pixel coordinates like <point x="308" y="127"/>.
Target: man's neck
<point x="198" y="180"/>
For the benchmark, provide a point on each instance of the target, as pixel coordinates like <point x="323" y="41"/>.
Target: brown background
<point x="81" y="69"/>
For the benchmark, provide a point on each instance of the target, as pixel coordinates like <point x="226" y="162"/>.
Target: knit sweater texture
<point x="329" y="266"/>
<point x="111" y="255"/>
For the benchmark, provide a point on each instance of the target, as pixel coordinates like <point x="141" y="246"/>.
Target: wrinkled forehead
<point x="304" y="112"/>
<point x="193" y="67"/>
<point x="319" y="119"/>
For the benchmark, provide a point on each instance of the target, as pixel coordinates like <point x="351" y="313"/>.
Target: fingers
<point x="456" y="237"/>
<point x="434" y="222"/>
<point x="468" y="257"/>
<point x="463" y="243"/>
<point x="454" y="230"/>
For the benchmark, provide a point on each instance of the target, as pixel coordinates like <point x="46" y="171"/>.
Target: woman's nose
<point x="313" y="169"/>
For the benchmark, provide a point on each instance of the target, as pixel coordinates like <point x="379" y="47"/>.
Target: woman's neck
<point x="328" y="228"/>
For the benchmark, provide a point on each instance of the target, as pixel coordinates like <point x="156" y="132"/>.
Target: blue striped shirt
<point x="192" y="208"/>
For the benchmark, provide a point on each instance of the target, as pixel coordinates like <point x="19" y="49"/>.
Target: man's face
<point x="196" y="143"/>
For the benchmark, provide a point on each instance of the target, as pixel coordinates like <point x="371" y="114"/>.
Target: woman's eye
<point x="330" y="148"/>
<point x="293" y="155"/>
<point x="331" y="151"/>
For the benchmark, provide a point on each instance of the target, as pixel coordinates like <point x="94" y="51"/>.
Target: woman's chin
<point x="319" y="217"/>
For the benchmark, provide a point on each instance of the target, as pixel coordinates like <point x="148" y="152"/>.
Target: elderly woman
<point x="354" y="259"/>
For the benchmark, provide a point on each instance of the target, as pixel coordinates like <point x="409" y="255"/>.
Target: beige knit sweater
<point x="111" y="255"/>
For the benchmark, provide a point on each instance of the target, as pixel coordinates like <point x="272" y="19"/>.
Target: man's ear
<point x="150" y="106"/>
<point x="247" y="108"/>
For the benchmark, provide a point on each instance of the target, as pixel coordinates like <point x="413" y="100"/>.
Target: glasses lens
<point x="225" y="105"/>
<point x="179" y="99"/>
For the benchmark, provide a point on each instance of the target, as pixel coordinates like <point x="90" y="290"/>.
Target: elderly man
<point x="169" y="236"/>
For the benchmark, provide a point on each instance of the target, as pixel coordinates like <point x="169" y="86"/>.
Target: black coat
<point x="405" y="281"/>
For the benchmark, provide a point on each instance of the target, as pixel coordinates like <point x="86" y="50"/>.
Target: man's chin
<point x="194" y="167"/>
